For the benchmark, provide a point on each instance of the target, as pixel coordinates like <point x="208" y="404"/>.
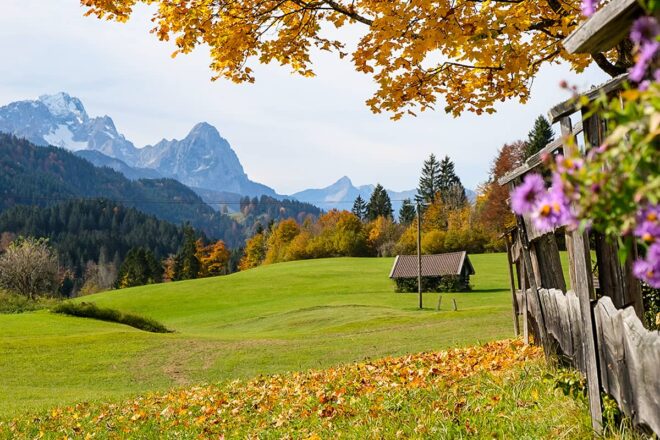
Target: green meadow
<point x="277" y="318"/>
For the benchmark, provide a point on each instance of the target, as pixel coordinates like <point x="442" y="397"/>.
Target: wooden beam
<point x="572" y="105"/>
<point x="536" y="159"/>
<point x="583" y="288"/>
<point x="605" y="29"/>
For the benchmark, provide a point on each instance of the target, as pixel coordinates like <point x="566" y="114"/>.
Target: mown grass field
<point x="284" y="317"/>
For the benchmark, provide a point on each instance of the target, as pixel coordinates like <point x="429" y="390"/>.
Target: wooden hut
<point x="440" y="272"/>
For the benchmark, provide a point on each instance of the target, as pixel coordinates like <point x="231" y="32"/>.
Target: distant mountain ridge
<point x="203" y="159"/>
<point x="341" y="195"/>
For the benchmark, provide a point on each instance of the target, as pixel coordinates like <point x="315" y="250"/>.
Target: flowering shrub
<point x="615" y="188"/>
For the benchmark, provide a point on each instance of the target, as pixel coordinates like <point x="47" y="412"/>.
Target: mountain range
<point x="203" y="160"/>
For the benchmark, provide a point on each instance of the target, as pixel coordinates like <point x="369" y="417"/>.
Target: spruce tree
<point x="428" y="182"/>
<point x="450" y="187"/>
<point x="379" y="204"/>
<point x="140" y="267"/>
<point x="540" y="136"/>
<point x="360" y="208"/>
<point x="407" y="213"/>
<point x="186" y="263"/>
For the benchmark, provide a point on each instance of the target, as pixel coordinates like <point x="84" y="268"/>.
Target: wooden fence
<point x="628" y="354"/>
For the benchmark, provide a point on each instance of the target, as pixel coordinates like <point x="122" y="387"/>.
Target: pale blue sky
<point x="290" y="133"/>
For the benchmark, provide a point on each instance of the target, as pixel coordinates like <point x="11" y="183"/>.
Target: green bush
<point x="12" y="303"/>
<point x="446" y="283"/>
<point x="90" y="310"/>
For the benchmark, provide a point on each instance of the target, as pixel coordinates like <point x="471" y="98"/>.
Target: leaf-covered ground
<point x="492" y="391"/>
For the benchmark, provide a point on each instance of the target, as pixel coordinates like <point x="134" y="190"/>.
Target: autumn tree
<point x="379" y="204"/>
<point x="382" y="236"/>
<point x="429" y="184"/>
<point x="407" y="213"/>
<point x="29" y="267"/>
<point x="255" y="252"/>
<point x="279" y="240"/>
<point x="360" y="208"/>
<point x="493" y="208"/>
<point x="471" y="54"/>
<point x="540" y="136"/>
<point x="213" y="258"/>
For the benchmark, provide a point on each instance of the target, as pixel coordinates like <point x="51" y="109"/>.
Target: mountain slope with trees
<point x="92" y="230"/>
<point x="43" y="176"/>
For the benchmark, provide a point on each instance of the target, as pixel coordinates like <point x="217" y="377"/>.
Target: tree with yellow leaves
<point x="213" y="258"/>
<point x="472" y="53"/>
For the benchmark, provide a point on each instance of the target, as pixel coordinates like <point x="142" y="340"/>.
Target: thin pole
<point x="419" y="255"/>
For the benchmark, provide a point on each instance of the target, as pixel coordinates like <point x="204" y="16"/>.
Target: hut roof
<point x="405" y="266"/>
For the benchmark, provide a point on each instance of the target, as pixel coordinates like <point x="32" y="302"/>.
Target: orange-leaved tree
<point x="472" y="53"/>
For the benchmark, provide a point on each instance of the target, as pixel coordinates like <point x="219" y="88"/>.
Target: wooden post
<point x="516" y="327"/>
<point x="419" y="254"/>
<point x="531" y="277"/>
<point x="523" y="289"/>
<point x="437" y="307"/>
<point x="455" y="306"/>
<point x="583" y="288"/>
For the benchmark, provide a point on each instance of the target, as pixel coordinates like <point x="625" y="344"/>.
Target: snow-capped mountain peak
<point x="203" y="159"/>
<point x="62" y="105"/>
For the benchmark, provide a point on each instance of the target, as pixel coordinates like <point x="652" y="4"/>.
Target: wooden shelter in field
<point x="453" y="268"/>
<point x="590" y="319"/>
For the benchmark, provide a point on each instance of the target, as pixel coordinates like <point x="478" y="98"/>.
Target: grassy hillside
<point x="292" y="316"/>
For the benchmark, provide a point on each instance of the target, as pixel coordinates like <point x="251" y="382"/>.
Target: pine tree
<point x="407" y="213"/>
<point x="360" y="208"/>
<point x="379" y="204"/>
<point x="450" y="187"/>
<point x="139" y="268"/>
<point x="428" y="182"/>
<point x="186" y="263"/>
<point x="540" y="136"/>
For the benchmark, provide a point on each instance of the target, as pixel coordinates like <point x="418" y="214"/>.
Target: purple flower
<point x="567" y="165"/>
<point x="527" y="195"/>
<point x="549" y="212"/>
<point x="589" y="7"/>
<point x="648" y="270"/>
<point x="648" y="224"/>
<point x="644" y="30"/>
<point x="644" y="34"/>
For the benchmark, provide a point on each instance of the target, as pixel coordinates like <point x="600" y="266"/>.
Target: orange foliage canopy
<point x="473" y="53"/>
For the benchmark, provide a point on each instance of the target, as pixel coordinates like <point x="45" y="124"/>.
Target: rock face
<point x="203" y="159"/>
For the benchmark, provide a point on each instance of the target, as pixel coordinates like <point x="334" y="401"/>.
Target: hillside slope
<point x="289" y="316"/>
<point x="32" y="175"/>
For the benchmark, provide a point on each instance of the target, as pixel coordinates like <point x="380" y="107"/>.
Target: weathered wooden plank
<point x="572" y="105"/>
<point x="632" y="355"/>
<point x="566" y="127"/>
<point x="605" y="29"/>
<point x="523" y="288"/>
<point x="536" y="303"/>
<point x="582" y="289"/>
<point x="549" y="262"/>
<point x="537" y="159"/>
<point x="512" y="281"/>
<point x="633" y="293"/>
